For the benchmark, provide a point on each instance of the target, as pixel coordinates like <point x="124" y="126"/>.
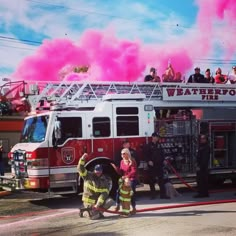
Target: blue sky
<point x="26" y="23"/>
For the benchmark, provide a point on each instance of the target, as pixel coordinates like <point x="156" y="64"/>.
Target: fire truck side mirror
<point x="57" y="132"/>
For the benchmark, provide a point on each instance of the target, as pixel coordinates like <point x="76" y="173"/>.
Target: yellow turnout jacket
<point x="96" y="189"/>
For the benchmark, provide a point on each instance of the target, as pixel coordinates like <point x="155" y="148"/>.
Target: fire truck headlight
<point x="28" y="155"/>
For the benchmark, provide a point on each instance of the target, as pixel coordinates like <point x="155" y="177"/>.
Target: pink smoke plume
<point x="107" y="58"/>
<point x="226" y="9"/>
<point x="225" y="12"/>
<point x="111" y="59"/>
<point x="52" y="56"/>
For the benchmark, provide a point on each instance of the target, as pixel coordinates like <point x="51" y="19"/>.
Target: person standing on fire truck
<point x="197" y="77"/>
<point x="96" y="189"/>
<point x="155" y="160"/>
<point x="152" y="77"/>
<point x="203" y="158"/>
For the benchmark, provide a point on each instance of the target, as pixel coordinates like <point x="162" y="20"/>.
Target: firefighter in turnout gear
<point x="123" y="198"/>
<point x="96" y="189"/>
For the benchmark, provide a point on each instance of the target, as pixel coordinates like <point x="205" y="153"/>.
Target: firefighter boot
<point x="133" y="212"/>
<point x="117" y="208"/>
<point x="108" y="203"/>
<point x="85" y="211"/>
<point x="96" y="215"/>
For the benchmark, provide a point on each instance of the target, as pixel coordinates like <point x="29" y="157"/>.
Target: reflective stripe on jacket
<point x="125" y="194"/>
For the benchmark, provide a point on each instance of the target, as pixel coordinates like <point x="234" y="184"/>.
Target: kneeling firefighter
<point x="96" y="189"/>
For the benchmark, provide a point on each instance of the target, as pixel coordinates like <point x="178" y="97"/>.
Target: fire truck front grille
<point x="19" y="163"/>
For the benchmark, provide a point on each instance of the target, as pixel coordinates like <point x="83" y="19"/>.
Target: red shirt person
<point x="220" y="78"/>
<point x="128" y="169"/>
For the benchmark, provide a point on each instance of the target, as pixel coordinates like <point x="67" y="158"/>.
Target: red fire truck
<point x="70" y="118"/>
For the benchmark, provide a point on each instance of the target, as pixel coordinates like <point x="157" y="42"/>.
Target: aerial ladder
<point x="75" y="94"/>
<point x="72" y="95"/>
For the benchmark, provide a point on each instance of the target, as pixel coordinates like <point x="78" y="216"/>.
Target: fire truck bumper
<point x="27" y="183"/>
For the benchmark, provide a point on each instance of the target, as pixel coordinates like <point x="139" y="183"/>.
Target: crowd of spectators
<point x="197" y="77"/>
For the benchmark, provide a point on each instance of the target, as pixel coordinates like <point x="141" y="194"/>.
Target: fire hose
<point x="175" y="206"/>
<point x="180" y="177"/>
<point x="184" y="182"/>
<point x="178" y="205"/>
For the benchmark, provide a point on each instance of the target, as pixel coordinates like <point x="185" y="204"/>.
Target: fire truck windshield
<point x="34" y="129"/>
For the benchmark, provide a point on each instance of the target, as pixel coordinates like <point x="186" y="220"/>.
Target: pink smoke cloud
<point x="159" y="56"/>
<point x="49" y="59"/>
<point x="112" y="59"/>
<point x="225" y="12"/>
<point x="226" y="9"/>
<point x="209" y="10"/>
<point x="107" y="57"/>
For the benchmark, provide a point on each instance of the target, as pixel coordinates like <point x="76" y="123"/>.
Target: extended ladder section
<point x="79" y="94"/>
<point x="66" y="95"/>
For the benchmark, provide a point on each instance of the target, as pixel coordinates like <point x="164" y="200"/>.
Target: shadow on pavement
<point x="182" y="213"/>
<point x="59" y="202"/>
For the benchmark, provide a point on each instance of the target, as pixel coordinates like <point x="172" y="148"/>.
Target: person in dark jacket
<point x="208" y="77"/>
<point x="155" y="160"/>
<point x="152" y="77"/>
<point x="197" y="77"/>
<point x="203" y="158"/>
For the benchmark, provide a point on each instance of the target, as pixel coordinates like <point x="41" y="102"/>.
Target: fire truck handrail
<point x="77" y="93"/>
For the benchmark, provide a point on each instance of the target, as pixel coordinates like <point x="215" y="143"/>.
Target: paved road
<point x="59" y="217"/>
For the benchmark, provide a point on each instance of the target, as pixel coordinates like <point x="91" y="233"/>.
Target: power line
<point x="80" y="10"/>
<point x="212" y="59"/>
<point x="9" y="46"/>
<point x="218" y="63"/>
<point x="105" y="14"/>
<point x="20" y="40"/>
<point x="176" y="25"/>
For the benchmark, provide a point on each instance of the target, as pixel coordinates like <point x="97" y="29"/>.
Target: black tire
<point x="108" y="171"/>
<point x="114" y="177"/>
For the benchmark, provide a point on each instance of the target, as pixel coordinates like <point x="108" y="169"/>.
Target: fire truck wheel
<point x="109" y="172"/>
<point x="112" y="179"/>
